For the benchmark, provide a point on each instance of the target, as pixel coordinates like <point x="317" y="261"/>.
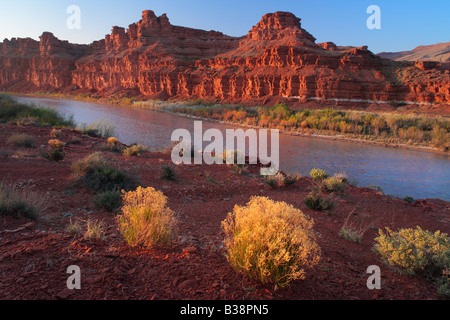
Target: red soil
<point x="34" y="255"/>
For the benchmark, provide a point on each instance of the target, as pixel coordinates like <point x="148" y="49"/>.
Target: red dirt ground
<point x="34" y="255"/>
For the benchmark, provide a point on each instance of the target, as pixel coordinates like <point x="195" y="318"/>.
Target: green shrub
<point x="97" y="174"/>
<point x="318" y="174"/>
<point x="134" y="151"/>
<point x="409" y="199"/>
<point x="333" y="185"/>
<point x="22" y="140"/>
<point x="92" y="162"/>
<point x="315" y="201"/>
<point x="146" y="220"/>
<point x="108" y="200"/>
<point x="270" y="241"/>
<point x="415" y="251"/>
<point x="168" y="173"/>
<point x="54" y="154"/>
<point x="12" y="111"/>
<point x="281" y="180"/>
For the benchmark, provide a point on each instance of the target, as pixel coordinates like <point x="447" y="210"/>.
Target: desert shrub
<point x="134" y="151"/>
<point x="352" y="231"/>
<point x="56" y="144"/>
<point x="112" y="140"/>
<point x="108" y="200"/>
<point x="350" y="234"/>
<point x="54" y="154"/>
<point x="168" y="173"/>
<point x="333" y="184"/>
<point x="92" y="162"/>
<point x="22" y="140"/>
<point x="17" y="203"/>
<point x="55" y="133"/>
<point x="281" y="180"/>
<point x="97" y="174"/>
<point x="440" y="137"/>
<point x="270" y="241"/>
<point x="415" y="251"/>
<point x="113" y="145"/>
<point x="409" y="199"/>
<point x="318" y="174"/>
<point x="315" y="201"/>
<point x="146" y="220"/>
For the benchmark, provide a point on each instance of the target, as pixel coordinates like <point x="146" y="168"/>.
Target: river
<point x="399" y="172"/>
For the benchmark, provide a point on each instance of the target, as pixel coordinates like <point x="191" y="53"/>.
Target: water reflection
<point x="399" y="172"/>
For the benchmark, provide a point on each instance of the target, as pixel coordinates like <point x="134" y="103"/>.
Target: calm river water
<point x="398" y="172"/>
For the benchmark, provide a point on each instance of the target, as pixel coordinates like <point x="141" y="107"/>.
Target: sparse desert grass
<point x="22" y="140"/>
<point x="270" y="241"/>
<point x="146" y="220"/>
<point x="95" y="230"/>
<point x="19" y="203"/>
<point x="352" y="231"/>
<point x="74" y="227"/>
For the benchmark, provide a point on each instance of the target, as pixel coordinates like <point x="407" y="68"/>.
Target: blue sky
<point x="404" y="24"/>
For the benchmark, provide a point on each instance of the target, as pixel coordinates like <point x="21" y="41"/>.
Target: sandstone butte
<point x="277" y="61"/>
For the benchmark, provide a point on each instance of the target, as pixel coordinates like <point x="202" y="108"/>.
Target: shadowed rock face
<point x="277" y="61"/>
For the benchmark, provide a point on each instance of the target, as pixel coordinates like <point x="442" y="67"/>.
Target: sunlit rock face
<point x="277" y="61"/>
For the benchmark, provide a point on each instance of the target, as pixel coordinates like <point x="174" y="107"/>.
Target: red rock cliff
<point x="276" y="61"/>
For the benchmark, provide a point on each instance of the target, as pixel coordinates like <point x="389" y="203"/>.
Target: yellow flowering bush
<point x="112" y="141"/>
<point x="56" y="144"/>
<point x="415" y="250"/>
<point x="270" y="241"/>
<point x="146" y="220"/>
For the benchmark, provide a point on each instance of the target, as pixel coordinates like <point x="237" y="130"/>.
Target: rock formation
<point x="277" y="61"/>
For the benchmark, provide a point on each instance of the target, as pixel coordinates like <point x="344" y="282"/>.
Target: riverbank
<point x="175" y="107"/>
<point x="34" y="254"/>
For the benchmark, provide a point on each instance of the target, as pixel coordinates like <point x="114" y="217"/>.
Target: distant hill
<point x="436" y="52"/>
